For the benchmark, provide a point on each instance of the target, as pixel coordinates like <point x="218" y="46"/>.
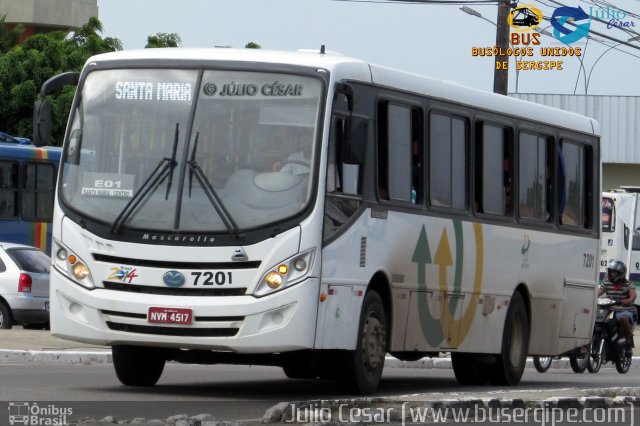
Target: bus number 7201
<point x="209" y="278"/>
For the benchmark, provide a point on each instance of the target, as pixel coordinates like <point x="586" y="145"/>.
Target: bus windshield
<point x="191" y="151"/>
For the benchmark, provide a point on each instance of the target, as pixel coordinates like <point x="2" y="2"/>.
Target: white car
<point x="24" y="285"/>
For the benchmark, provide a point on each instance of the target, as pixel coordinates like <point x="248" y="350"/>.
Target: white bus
<point x="621" y="230"/>
<point x="421" y="217"/>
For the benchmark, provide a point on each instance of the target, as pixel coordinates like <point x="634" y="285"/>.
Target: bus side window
<point x="577" y="185"/>
<point x="534" y="177"/>
<point x="8" y="190"/>
<point x="344" y="186"/>
<point x="448" y="161"/>
<point x="37" y="198"/>
<point x="636" y="240"/>
<point x="399" y="155"/>
<point x="494" y="170"/>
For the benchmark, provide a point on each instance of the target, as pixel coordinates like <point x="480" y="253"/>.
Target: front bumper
<point x="284" y="321"/>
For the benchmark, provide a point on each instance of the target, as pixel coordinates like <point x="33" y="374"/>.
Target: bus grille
<point x="252" y="264"/>
<point x="173" y="331"/>
<point x="168" y="291"/>
<point x="197" y="319"/>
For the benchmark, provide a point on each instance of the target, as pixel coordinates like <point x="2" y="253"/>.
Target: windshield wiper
<point x="163" y="170"/>
<point x="209" y="190"/>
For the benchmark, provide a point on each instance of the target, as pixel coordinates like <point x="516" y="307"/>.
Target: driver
<point x="621" y="290"/>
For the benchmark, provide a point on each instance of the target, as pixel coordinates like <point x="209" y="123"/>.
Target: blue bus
<point x="27" y="187"/>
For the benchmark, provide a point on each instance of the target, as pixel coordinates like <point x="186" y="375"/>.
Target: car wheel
<point x="6" y="319"/>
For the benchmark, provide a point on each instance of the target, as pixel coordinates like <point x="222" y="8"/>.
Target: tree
<point x="164" y="40"/>
<point x="8" y="36"/>
<point x="25" y="67"/>
<point x="252" y="45"/>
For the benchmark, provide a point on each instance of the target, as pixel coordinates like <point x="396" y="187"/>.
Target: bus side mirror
<point x="355" y="141"/>
<point x="41" y="122"/>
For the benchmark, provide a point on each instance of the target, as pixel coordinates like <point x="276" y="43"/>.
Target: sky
<point x="429" y="39"/>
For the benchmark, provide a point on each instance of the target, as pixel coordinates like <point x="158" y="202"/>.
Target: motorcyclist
<point x="618" y="288"/>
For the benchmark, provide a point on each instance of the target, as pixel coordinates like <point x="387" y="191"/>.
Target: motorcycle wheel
<point x="594" y="360"/>
<point x="542" y="363"/>
<point x="623" y="361"/>
<point x="578" y="362"/>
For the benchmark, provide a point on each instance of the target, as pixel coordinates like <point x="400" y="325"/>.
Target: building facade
<point x="48" y="15"/>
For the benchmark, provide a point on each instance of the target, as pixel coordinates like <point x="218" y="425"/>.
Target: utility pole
<point x="501" y="73"/>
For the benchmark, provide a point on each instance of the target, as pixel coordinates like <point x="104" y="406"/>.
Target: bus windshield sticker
<point x="271" y="89"/>
<point x="148" y="91"/>
<point x="107" y="185"/>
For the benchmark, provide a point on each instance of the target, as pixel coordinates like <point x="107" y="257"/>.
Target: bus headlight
<point x="286" y="274"/>
<point x="80" y="270"/>
<point x="72" y="266"/>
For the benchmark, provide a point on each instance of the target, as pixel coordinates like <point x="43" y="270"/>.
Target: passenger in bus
<point x="618" y="288"/>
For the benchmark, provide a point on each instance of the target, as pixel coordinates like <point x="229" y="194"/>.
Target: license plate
<point x="46" y="306"/>
<point x="170" y="315"/>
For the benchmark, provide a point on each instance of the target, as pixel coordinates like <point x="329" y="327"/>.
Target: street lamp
<point x="500" y="75"/>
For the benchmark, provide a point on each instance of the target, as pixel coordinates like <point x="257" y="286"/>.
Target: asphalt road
<point x="245" y="393"/>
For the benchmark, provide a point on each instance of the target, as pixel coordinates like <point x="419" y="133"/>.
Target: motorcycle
<point x="608" y="344"/>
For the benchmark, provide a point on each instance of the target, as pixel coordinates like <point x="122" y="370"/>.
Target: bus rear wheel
<point x="359" y="371"/>
<point x="138" y="366"/>
<point x="467" y="370"/>
<point x="511" y="361"/>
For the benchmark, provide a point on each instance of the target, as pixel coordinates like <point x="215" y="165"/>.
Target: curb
<point x="11" y="356"/>
<point x="8" y="356"/>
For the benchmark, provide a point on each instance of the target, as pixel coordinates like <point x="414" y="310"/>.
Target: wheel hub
<point x="373" y="343"/>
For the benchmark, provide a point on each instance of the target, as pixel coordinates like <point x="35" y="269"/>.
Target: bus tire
<point x="300" y="372"/>
<point x="359" y="371"/>
<point x="138" y="366"/>
<point x="6" y="319"/>
<point x="467" y="370"/>
<point x="510" y="363"/>
<point x="579" y="363"/>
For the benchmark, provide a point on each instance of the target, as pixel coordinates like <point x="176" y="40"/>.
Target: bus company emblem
<point x="239" y="255"/>
<point x="173" y="279"/>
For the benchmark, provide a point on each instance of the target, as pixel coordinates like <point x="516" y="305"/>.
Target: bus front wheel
<point x="512" y="359"/>
<point x="138" y="366"/>
<point x="359" y="371"/>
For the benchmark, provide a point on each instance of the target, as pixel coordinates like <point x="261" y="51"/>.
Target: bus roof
<point x="29" y="152"/>
<point x="347" y="68"/>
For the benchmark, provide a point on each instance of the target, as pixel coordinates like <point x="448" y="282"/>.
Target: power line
<point x="442" y="2"/>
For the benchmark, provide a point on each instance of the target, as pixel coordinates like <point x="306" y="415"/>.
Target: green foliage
<point x="8" y="36"/>
<point x="164" y="40"/>
<point x="25" y="67"/>
<point x="252" y="45"/>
